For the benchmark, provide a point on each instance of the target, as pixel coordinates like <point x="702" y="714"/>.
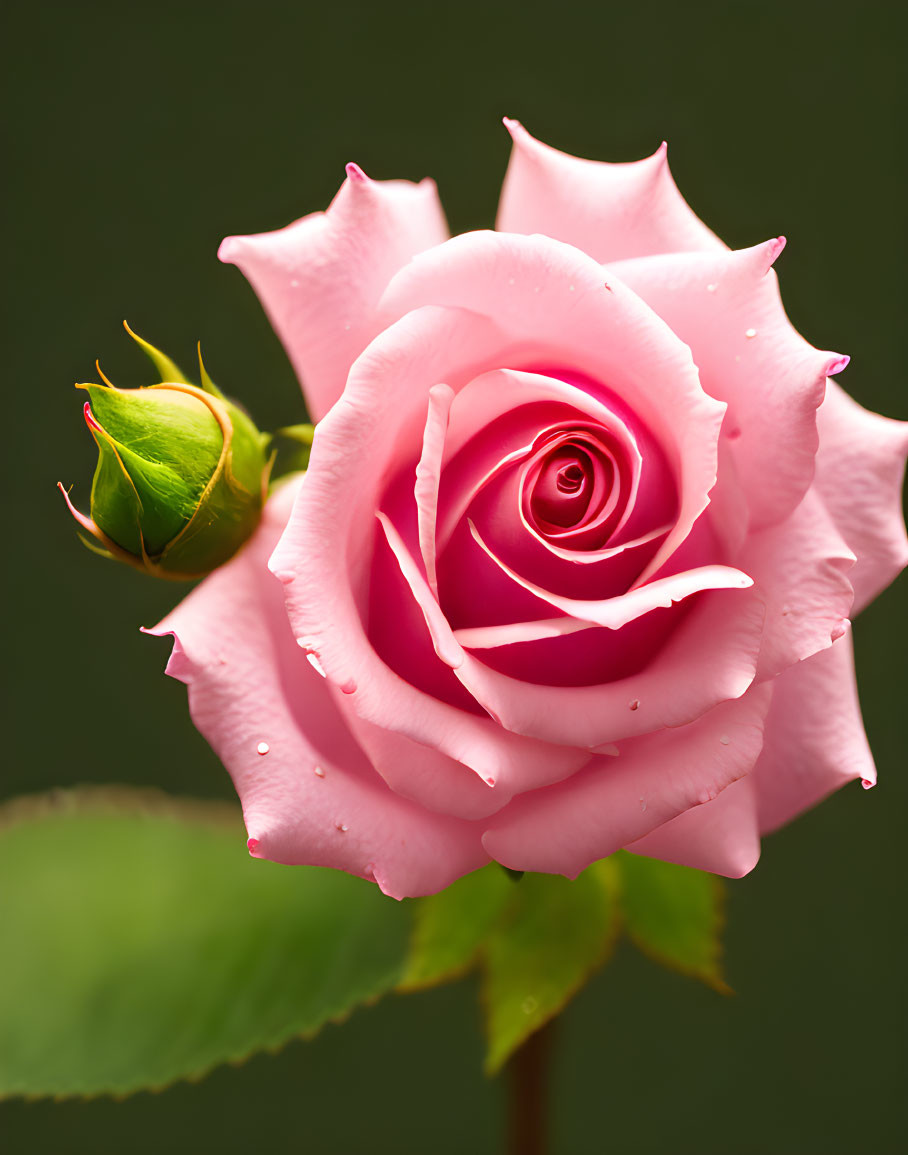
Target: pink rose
<point x="574" y="560"/>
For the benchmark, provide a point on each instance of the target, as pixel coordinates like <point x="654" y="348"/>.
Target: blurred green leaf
<point x="292" y="445"/>
<point x="449" y="928"/>
<point x="143" y="945"/>
<point x="674" y="914"/>
<point x="555" y="932"/>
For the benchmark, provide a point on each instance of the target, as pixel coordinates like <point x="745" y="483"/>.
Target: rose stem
<point x="528" y="1074"/>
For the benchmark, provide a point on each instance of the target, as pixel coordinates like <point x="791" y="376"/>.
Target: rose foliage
<point x="573" y="563"/>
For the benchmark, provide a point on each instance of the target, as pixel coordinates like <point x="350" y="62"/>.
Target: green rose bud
<point x="182" y="473"/>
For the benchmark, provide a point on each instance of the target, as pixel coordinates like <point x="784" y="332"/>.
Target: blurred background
<point x="140" y="134"/>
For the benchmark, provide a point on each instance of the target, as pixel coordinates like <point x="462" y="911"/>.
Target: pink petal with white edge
<point x="428" y="472"/>
<point x="711" y="657"/>
<point x="722" y="837"/>
<point x="616" y="801"/>
<point x="860" y="468"/>
<point x="320" y="278"/>
<point x="309" y="795"/>
<point x="613" y="613"/>
<point x="801" y="569"/>
<point x="610" y="211"/>
<point x="325" y="554"/>
<point x="726" y="307"/>
<point x="815" y="740"/>
<point x="558" y="309"/>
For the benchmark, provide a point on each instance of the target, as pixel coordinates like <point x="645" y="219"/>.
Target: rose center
<point x="563" y="488"/>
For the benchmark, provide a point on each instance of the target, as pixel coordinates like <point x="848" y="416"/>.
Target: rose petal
<point x="710" y="657"/>
<point x="726" y="307"/>
<point x="320" y="278"/>
<point x="308" y="794"/>
<point x="613" y="613"/>
<point x="428" y="472"/>
<point x="610" y="211"/>
<point x="801" y="569"/>
<point x="860" y="467"/>
<point x="556" y="308"/>
<point x="815" y="740"/>
<point x="563" y="828"/>
<point x="324" y="556"/>
<point x="722" y="837"/>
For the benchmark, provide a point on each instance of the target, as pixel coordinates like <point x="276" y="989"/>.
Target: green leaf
<point x="555" y="933"/>
<point x="449" y="928"/>
<point x="674" y="915"/>
<point x="141" y="944"/>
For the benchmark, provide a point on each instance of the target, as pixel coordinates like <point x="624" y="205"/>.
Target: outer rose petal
<point x="860" y="467"/>
<point x="726" y="307"/>
<point x="815" y="740"/>
<point x="722" y="837"/>
<point x="610" y="211"/>
<point x="561" y="829"/>
<point x="320" y="278"/>
<point x="249" y="683"/>
<point x="801" y="569"/>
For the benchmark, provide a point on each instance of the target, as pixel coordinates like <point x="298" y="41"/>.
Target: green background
<point x="138" y="136"/>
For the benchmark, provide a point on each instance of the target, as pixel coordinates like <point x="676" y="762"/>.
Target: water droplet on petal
<point x="724" y="739"/>
<point x="529" y="1005"/>
<point x="711" y="288"/>
<point x="263" y="747"/>
<point x="642" y="802"/>
<point x="634" y="704"/>
<point x="318" y="772"/>
<point x="750" y="333"/>
<point x="342" y="827"/>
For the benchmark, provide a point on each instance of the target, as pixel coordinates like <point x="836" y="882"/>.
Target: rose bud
<point x="182" y="474"/>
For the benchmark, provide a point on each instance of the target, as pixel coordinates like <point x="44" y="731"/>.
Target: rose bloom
<point x="573" y="563"/>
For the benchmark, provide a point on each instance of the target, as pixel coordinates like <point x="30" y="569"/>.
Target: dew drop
<point x="724" y="739"/>
<point x="318" y="772"/>
<point x="711" y="288"/>
<point x="529" y="1005"/>
<point x="263" y="747"/>
<point x="642" y="802"/>
<point x="750" y="333"/>
<point x="342" y="827"/>
<point x="346" y="326"/>
<point x="634" y="704"/>
<point x="570" y="288"/>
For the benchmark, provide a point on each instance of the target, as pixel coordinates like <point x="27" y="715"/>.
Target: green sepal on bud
<point x="182" y="473"/>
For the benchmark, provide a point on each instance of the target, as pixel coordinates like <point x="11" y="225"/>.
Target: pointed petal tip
<point x="836" y="363"/>
<point x="229" y="250"/>
<point x="355" y="173"/>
